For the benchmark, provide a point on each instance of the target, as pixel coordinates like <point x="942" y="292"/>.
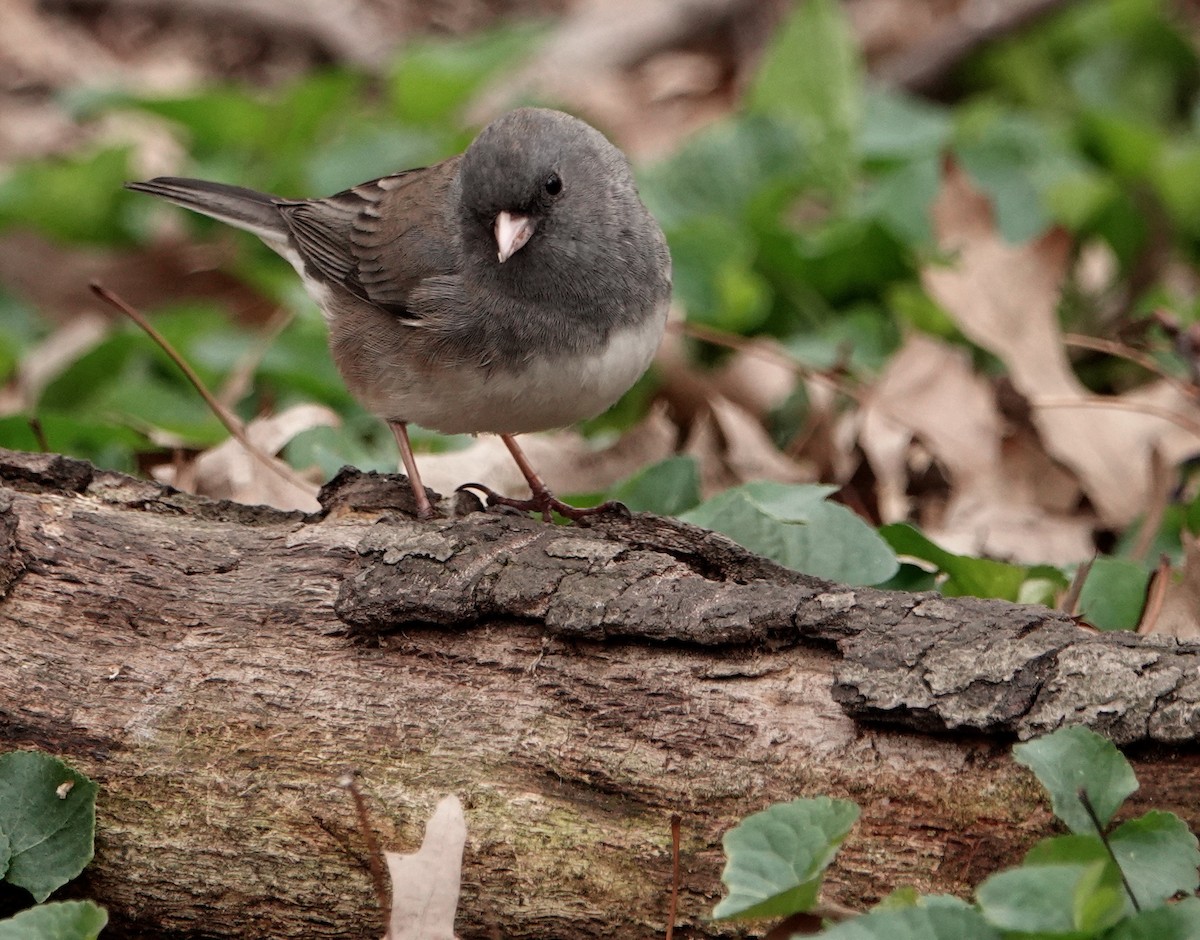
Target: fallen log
<point x="217" y="668"/>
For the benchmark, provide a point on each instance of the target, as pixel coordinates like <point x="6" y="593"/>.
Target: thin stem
<point x="373" y="855"/>
<point x="1119" y="404"/>
<point x="707" y="334"/>
<point x="231" y="422"/>
<point x="1091" y="811"/>
<point x="673" y="911"/>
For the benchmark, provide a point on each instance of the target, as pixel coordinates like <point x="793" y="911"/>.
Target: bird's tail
<point x="235" y="205"/>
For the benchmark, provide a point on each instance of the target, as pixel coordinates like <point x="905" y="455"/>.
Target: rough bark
<point x="217" y="667"/>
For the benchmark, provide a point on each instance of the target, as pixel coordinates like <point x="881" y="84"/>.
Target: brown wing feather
<point x="381" y="239"/>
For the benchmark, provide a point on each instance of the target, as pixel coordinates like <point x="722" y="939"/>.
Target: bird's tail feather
<point x="235" y="205"/>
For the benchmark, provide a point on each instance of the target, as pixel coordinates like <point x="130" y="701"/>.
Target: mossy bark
<point x="217" y="668"/>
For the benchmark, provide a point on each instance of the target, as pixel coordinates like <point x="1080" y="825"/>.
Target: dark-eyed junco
<point x="518" y="286"/>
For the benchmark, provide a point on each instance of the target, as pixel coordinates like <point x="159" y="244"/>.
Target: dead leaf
<point x="758" y="377"/>
<point x="229" y="471"/>
<point x="930" y="404"/>
<point x="1179" y="615"/>
<point x="928" y="392"/>
<point x="425" y="885"/>
<point x="748" y="451"/>
<point x="566" y="460"/>
<point x="53" y="355"/>
<point x="1004" y="297"/>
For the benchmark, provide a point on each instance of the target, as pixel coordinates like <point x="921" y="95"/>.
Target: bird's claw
<point x="547" y="504"/>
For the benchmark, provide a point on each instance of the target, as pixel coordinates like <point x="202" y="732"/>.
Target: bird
<point x="521" y="285"/>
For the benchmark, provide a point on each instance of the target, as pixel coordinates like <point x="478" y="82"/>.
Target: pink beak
<point x="512" y="231"/>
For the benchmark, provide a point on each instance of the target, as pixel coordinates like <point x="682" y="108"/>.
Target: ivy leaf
<point x="796" y="526"/>
<point x="1074" y="759"/>
<point x="1178" y="922"/>
<point x="776" y="857"/>
<point x="668" y="487"/>
<point x="59" y="920"/>
<point x="916" y="923"/>
<point x="48" y="812"/>
<point x="1159" y="856"/>
<point x="1054" y="899"/>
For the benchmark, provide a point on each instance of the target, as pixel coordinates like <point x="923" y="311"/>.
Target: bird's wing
<point x="381" y="239"/>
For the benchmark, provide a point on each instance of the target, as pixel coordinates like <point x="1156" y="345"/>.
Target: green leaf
<point x="1069" y="900"/>
<point x="1076" y="758"/>
<point x="50" y="835"/>
<point x="1016" y="158"/>
<point x="899" y="900"/>
<point x="1067" y="850"/>
<point x="77" y="199"/>
<point x="847" y="258"/>
<point x="1178" y="922"/>
<point x="216" y="118"/>
<point x="716" y="280"/>
<point x="1114" y="593"/>
<point x="104" y="443"/>
<point x="901" y="197"/>
<point x="1100" y="898"/>
<point x="667" y="488"/>
<point x="60" y="920"/>
<point x="796" y="526"/>
<point x="723" y="172"/>
<point x="898" y="125"/>
<point x="915" y="923"/>
<point x="812" y="76"/>
<point x="5" y="853"/>
<point x="1159" y="856"/>
<point x="435" y="78"/>
<point x="775" y="857"/>
<point x="978" y="577"/>
<point x="1177" y="180"/>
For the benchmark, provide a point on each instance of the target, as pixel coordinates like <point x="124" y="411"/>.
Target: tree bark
<point x="217" y="668"/>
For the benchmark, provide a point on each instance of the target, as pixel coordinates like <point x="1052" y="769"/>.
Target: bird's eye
<point x="553" y="184"/>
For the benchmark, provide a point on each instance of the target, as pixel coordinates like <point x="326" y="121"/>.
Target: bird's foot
<point x="547" y="504"/>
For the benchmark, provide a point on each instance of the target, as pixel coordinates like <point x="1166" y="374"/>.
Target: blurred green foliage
<point x="804" y="216"/>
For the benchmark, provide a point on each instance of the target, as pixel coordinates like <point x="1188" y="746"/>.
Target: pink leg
<point x="543" y="500"/>
<point x="424" y="507"/>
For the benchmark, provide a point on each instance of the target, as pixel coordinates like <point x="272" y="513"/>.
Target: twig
<point x="673" y="910"/>
<point x="1071" y="599"/>
<point x="925" y="66"/>
<point x="1119" y="404"/>
<point x="1156" y="594"/>
<point x="227" y="418"/>
<point x="707" y="334"/>
<point x="39" y="434"/>
<point x="238" y="380"/>
<point x="1122" y="351"/>
<point x="1159" y="497"/>
<point x="373" y="853"/>
<point x="1091" y="811"/>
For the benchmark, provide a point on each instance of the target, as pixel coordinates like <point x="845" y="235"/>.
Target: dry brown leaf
<point x="758" y="377"/>
<point x="565" y="459"/>
<point x="930" y="398"/>
<point x="928" y="392"/>
<point x="46" y="361"/>
<point x="1179" y="615"/>
<point x="748" y="450"/>
<point x="229" y="471"/>
<point x="425" y="885"/>
<point x="1004" y="297"/>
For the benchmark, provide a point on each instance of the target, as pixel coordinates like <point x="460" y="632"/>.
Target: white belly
<point x="546" y="393"/>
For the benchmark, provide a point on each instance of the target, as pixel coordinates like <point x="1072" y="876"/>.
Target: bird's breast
<point x="546" y="387"/>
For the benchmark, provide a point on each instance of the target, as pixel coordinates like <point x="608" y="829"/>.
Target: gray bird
<point x="519" y="286"/>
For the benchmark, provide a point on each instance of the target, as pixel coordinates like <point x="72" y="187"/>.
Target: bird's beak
<point x="511" y="231"/>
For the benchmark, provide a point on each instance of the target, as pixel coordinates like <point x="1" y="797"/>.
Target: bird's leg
<point x="543" y="500"/>
<point x="424" y="507"/>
